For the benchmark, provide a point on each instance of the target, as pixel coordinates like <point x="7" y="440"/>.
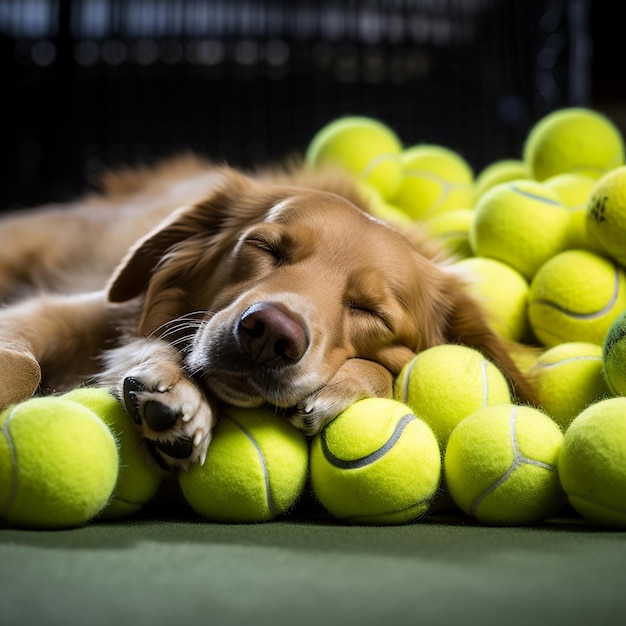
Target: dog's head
<point x="269" y="290"/>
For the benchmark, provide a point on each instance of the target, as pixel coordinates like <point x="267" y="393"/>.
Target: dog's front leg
<point x="355" y="380"/>
<point x="171" y="411"/>
<point x="52" y="340"/>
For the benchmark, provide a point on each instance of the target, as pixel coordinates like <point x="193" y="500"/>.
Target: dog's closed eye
<point x="371" y="311"/>
<point x="277" y="249"/>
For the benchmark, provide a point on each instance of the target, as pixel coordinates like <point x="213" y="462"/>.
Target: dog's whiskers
<point x="178" y="332"/>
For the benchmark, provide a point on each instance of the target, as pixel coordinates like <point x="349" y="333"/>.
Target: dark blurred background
<point x="88" y="84"/>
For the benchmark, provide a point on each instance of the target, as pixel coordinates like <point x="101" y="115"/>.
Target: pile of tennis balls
<point x="541" y="240"/>
<point x="68" y="459"/>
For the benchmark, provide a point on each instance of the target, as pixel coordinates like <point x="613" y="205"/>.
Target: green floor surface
<point x="178" y="572"/>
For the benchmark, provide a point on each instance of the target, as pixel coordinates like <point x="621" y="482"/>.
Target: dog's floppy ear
<point x="131" y="276"/>
<point x="230" y="207"/>
<point x="467" y="324"/>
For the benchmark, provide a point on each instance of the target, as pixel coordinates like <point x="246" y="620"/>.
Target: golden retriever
<point x="187" y="285"/>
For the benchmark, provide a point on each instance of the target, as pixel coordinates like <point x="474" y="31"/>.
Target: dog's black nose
<point x="272" y="336"/>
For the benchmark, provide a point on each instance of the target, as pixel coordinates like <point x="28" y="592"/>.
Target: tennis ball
<point x="445" y="384"/>
<point x="606" y="215"/>
<point x="139" y="478"/>
<point x="58" y="464"/>
<point x="504" y="293"/>
<point x="364" y="147"/>
<point x="592" y="463"/>
<point x="380" y="208"/>
<point x="568" y="378"/>
<point x="376" y="463"/>
<point x="501" y="465"/>
<point x="576" y="296"/>
<point x="574" y="140"/>
<point x="522" y="224"/>
<point x="255" y="468"/>
<point x="434" y="179"/>
<point x="574" y="190"/>
<point x="502" y="171"/>
<point x="452" y="230"/>
<point x="614" y="356"/>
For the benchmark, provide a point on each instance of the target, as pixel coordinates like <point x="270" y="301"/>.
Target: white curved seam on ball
<point x="268" y="491"/>
<point x="518" y="460"/>
<point x="483" y="373"/>
<point x="447" y="186"/>
<point x="14" y="482"/>
<point x="586" y="316"/>
<point x="407" y="377"/>
<point x="376" y="161"/>
<point x="403" y="422"/>
<point x="534" y="196"/>
<point x="571" y="359"/>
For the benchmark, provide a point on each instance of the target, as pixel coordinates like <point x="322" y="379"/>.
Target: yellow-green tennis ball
<point x="575" y="191"/>
<point x="592" y="463"/>
<point x="576" y="296"/>
<point x="58" y="464"/>
<point x="568" y="378"/>
<point x="504" y="293"/>
<point x="575" y="140"/>
<point x="376" y="463"/>
<point x="445" y="384"/>
<point x="380" y="208"/>
<point x="606" y="215"/>
<point x="452" y="228"/>
<point x="255" y="468"/>
<point x="139" y="478"/>
<point x="522" y="224"/>
<point x="614" y="356"/>
<point x="501" y="465"/>
<point x="434" y="179"/>
<point x="502" y="171"/>
<point x="364" y="147"/>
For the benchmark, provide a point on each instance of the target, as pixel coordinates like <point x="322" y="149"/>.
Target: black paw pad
<point x="156" y="456"/>
<point x="159" y="416"/>
<point x="179" y="449"/>
<point x="131" y="388"/>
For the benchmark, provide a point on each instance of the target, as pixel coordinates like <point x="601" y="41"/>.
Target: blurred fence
<point x="94" y="83"/>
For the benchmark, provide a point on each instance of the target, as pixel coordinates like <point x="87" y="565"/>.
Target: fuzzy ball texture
<point x="435" y="179"/>
<point x="574" y="190"/>
<point x="452" y="228"/>
<point x="504" y="293"/>
<point x="576" y="296"/>
<point x="502" y="171"/>
<point x="592" y="463"/>
<point x="255" y="468"/>
<point x="522" y="224"/>
<point x="614" y="356"/>
<point x="376" y="463"/>
<point x="606" y="215"/>
<point x="381" y="208"/>
<point x="501" y="465"/>
<point x="445" y="384"/>
<point x="363" y="146"/>
<point x="575" y="140"/>
<point x="58" y="464"/>
<point x="568" y="378"/>
<point x="139" y="477"/>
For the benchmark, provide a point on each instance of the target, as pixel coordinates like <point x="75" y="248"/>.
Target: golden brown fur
<point x="190" y="284"/>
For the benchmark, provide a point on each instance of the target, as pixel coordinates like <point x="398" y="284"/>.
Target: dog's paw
<point x="356" y="379"/>
<point x="174" y="416"/>
<point x="317" y="410"/>
<point x="20" y="376"/>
